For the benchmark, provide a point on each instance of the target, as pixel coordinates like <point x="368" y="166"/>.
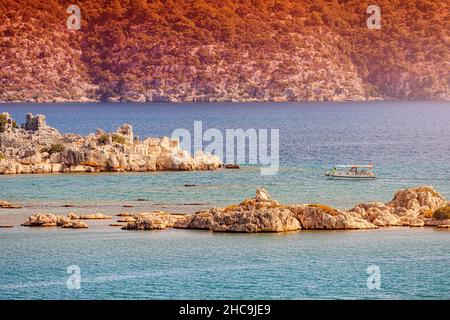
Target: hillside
<point x="224" y="50"/>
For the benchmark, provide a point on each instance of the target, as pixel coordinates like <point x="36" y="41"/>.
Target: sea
<point x="407" y="142"/>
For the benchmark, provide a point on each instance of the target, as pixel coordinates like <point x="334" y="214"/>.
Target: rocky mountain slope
<point x="224" y="50"/>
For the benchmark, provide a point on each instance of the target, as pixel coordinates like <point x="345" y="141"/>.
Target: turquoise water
<point x="409" y="142"/>
<point x="182" y="264"/>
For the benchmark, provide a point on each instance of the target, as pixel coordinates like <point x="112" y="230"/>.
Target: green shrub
<point x="442" y="213"/>
<point x="103" y="139"/>
<point x="3" y="122"/>
<point x="2" y="156"/>
<point x="118" y="139"/>
<point x="54" y="148"/>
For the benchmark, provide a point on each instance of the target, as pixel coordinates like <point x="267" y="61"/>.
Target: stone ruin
<point x="34" y="123"/>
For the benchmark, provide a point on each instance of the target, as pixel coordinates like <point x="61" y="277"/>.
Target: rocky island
<point x="35" y="147"/>
<point x="415" y="207"/>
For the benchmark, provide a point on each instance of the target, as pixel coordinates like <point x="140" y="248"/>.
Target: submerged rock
<point x="90" y="216"/>
<point x="124" y="214"/>
<point x="436" y="222"/>
<point x="232" y="166"/>
<point x="94" y="216"/>
<point x="73" y="216"/>
<point x="127" y="219"/>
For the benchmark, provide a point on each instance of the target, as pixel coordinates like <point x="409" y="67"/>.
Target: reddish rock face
<point x="238" y="51"/>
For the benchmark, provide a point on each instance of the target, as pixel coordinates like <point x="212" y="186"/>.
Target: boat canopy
<point x="369" y="166"/>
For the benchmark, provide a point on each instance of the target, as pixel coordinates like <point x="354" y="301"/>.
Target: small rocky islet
<point x="8" y="205"/>
<point x="35" y="147"/>
<point x="415" y="207"/>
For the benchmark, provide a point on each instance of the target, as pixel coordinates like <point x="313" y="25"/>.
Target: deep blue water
<point x="409" y="143"/>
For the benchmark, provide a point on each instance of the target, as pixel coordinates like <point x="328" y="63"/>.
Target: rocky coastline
<point x="415" y="207"/>
<point x="35" y="147"/>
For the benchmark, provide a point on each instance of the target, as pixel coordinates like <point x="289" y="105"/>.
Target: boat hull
<point x="350" y="177"/>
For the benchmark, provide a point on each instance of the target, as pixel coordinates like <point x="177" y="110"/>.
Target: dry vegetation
<point x="324" y="208"/>
<point x="442" y="213"/>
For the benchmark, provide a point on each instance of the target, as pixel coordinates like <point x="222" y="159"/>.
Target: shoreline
<point x="71" y="102"/>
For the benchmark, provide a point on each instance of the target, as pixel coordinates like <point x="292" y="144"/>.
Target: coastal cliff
<point x="36" y="147"/>
<point x="200" y="51"/>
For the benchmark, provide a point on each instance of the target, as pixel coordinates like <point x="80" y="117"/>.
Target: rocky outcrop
<point x="52" y="220"/>
<point x="90" y="216"/>
<point x="436" y="222"/>
<point x="116" y="225"/>
<point x="261" y="220"/>
<point x="260" y="214"/>
<point x="8" y="205"/>
<point x="75" y="225"/>
<point x="153" y="221"/>
<point x="46" y="220"/>
<point x="409" y="207"/>
<point x="320" y="217"/>
<point x="124" y="214"/>
<point x="264" y="214"/>
<point x="38" y="148"/>
<point x="126" y="219"/>
<point x="416" y="200"/>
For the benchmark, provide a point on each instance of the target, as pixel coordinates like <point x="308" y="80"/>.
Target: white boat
<point x="353" y="171"/>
